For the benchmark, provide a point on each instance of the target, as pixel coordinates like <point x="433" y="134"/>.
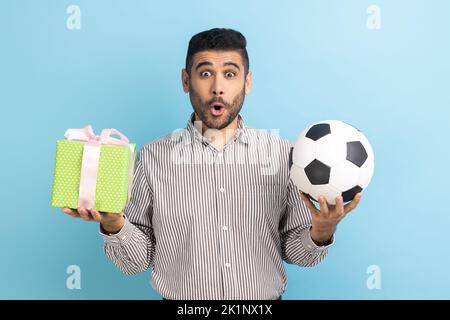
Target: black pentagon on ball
<point x="318" y="131"/>
<point x="350" y="194"/>
<point x="318" y="172"/>
<point x="356" y="153"/>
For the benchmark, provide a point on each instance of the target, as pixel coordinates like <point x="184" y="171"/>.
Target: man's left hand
<point x="325" y="220"/>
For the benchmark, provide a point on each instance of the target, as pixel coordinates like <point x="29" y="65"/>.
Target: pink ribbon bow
<point x="87" y="134"/>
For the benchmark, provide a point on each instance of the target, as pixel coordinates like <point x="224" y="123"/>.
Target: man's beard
<point x="202" y="109"/>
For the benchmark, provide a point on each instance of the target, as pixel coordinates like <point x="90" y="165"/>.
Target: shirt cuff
<point x="309" y="244"/>
<point x="121" y="238"/>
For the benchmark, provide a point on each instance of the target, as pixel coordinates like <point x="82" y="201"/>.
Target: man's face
<point x="217" y="86"/>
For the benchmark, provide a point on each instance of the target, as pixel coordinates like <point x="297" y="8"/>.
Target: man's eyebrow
<point x="232" y="64"/>
<point x="209" y="63"/>
<point x="203" y="63"/>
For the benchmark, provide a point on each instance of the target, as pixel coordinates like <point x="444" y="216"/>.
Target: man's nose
<point x="217" y="88"/>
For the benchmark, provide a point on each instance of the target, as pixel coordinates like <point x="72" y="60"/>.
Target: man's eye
<point x="205" y="74"/>
<point x="230" y="74"/>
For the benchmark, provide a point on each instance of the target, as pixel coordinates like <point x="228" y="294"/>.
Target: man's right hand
<point x="110" y="222"/>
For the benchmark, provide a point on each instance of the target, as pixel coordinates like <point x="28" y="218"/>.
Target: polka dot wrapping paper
<point x="113" y="177"/>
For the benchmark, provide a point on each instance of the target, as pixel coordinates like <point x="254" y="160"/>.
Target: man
<point x="213" y="211"/>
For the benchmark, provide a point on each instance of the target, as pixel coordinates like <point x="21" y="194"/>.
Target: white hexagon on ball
<point x="330" y="150"/>
<point x="344" y="176"/>
<point x="305" y="152"/>
<point x="327" y="190"/>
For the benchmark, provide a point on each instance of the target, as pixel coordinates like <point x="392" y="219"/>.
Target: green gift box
<point x="93" y="171"/>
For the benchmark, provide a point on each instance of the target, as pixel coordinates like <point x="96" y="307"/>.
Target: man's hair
<point x="218" y="39"/>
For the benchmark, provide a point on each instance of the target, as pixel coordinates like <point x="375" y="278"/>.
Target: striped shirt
<point x="214" y="224"/>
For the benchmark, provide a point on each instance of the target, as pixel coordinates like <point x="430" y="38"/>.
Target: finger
<point x="90" y="215"/>
<point x="84" y="214"/>
<point x="352" y="205"/>
<point x="308" y="203"/>
<point x="323" y="205"/>
<point x="339" y="208"/>
<point x="70" y="212"/>
<point x="96" y="215"/>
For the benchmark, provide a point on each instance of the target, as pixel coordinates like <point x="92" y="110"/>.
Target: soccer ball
<point x="331" y="158"/>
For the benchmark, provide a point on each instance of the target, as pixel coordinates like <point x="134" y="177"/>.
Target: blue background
<point x="311" y="60"/>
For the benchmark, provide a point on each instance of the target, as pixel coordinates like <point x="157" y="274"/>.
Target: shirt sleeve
<point x="296" y="243"/>
<point x="133" y="247"/>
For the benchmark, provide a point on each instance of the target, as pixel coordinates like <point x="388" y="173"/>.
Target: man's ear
<point x="248" y="82"/>
<point x="185" y="80"/>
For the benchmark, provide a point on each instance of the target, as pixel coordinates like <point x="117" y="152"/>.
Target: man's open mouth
<point x="217" y="109"/>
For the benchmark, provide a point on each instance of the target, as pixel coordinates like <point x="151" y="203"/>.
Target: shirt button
<point x="225" y="228"/>
<point x="227" y="265"/>
<point x="222" y="190"/>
